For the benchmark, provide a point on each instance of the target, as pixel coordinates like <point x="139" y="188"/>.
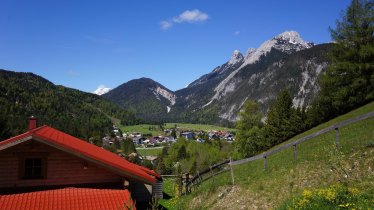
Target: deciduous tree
<point x="249" y="136"/>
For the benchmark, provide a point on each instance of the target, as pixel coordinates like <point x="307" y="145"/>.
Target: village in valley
<point x="165" y="137"/>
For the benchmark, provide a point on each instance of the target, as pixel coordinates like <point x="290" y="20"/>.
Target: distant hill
<point x="146" y="98"/>
<point x="78" y="113"/>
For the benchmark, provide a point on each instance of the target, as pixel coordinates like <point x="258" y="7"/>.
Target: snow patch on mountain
<point x="101" y="90"/>
<point x="158" y="91"/>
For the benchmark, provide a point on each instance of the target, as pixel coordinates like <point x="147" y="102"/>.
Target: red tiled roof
<point x="79" y="147"/>
<point x="151" y="172"/>
<point x="69" y="198"/>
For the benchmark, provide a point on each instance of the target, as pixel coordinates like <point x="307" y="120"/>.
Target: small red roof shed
<point x="84" y="150"/>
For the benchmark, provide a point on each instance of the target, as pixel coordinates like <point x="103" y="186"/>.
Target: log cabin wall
<point x="61" y="168"/>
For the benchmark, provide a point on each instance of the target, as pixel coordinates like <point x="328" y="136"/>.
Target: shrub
<point x="335" y="197"/>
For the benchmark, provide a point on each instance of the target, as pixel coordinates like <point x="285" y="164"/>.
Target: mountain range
<point x="284" y="61"/>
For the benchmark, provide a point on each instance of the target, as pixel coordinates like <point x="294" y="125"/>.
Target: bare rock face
<point x="284" y="61"/>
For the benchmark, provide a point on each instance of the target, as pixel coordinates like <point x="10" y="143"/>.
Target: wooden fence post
<point x="211" y="171"/>
<point x="265" y="163"/>
<point x="187" y="180"/>
<point x="294" y="152"/>
<point x="198" y="174"/>
<point x="337" y="137"/>
<point x="180" y="186"/>
<point x="232" y="172"/>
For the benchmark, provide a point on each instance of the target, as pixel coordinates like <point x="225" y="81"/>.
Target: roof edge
<point x="87" y="157"/>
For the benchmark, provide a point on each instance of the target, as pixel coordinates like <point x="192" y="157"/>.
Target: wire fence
<point x="227" y="165"/>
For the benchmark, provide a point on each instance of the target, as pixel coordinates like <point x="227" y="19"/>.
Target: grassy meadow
<point x="204" y="127"/>
<point x="319" y="165"/>
<point x="149" y="151"/>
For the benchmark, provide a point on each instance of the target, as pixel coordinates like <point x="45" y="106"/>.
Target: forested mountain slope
<point x="78" y="113"/>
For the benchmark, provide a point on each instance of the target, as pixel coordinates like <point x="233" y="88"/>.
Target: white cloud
<point x="236" y="33"/>
<point x="166" y="24"/>
<point x="189" y="16"/>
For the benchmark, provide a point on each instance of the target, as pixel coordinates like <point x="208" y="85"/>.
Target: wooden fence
<point x="227" y="164"/>
<point x="206" y="174"/>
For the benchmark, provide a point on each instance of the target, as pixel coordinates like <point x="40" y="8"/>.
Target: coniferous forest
<point x="75" y="112"/>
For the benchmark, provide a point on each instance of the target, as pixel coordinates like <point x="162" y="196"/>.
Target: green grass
<point x="170" y="200"/>
<point x="144" y="128"/>
<point x="189" y="126"/>
<point x="335" y="197"/>
<point x="319" y="165"/>
<point x="149" y="151"/>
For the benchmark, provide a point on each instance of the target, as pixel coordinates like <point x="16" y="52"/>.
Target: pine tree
<point x="193" y="167"/>
<point x="299" y="120"/>
<point x="279" y="125"/>
<point x="164" y="151"/>
<point x="161" y="168"/>
<point x="173" y="133"/>
<point x="128" y="146"/>
<point x="182" y="152"/>
<point x="4" y="131"/>
<point x="349" y="81"/>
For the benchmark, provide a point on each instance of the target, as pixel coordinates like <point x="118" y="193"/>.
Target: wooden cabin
<point x="52" y="166"/>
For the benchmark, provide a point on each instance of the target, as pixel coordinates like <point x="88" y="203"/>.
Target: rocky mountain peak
<point x="288" y="42"/>
<point x="292" y="37"/>
<point x="249" y="53"/>
<point x="236" y="58"/>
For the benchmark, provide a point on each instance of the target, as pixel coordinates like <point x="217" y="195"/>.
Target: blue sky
<point x="84" y="44"/>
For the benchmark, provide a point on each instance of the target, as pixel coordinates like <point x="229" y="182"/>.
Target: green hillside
<point x="78" y="113"/>
<point x="319" y="165"/>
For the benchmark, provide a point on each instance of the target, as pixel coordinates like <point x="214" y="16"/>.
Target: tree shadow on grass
<point x="166" y="196"/>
